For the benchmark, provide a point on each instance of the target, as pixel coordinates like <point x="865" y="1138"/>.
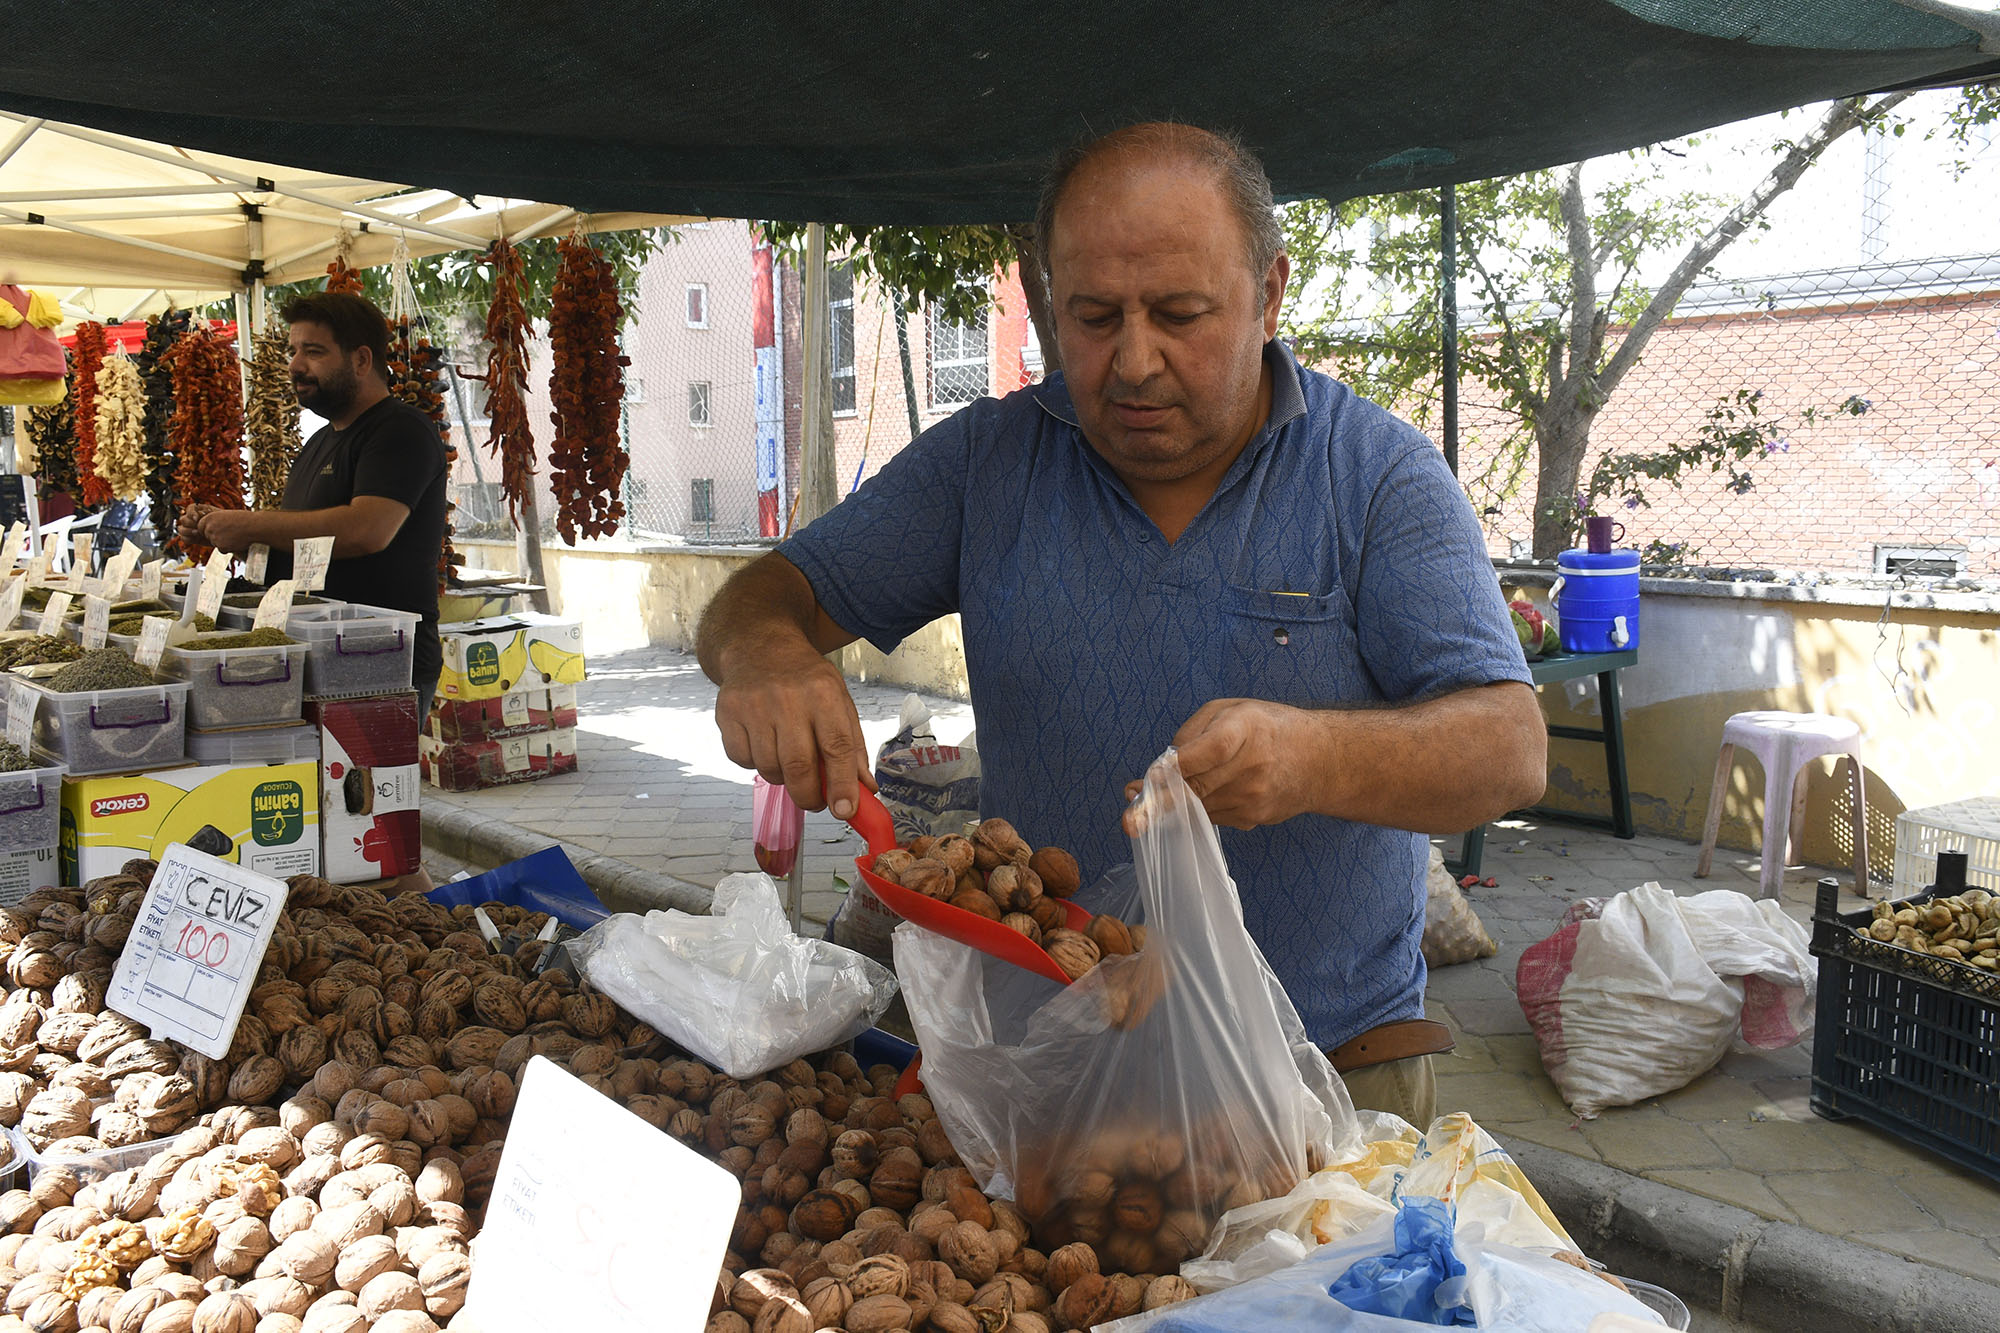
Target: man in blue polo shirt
<point x="1186" y="538"/>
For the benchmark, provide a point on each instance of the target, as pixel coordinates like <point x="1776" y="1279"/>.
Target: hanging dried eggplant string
<point x="162" y="332"/>
<point x="587" y="459"/>
<point x="121" y="428"/>
<point x="87" y="361"/>
<point x="52" y="443"/>
<point x="506" y="379"/>
<point x="272" y="418"/>
<point x="207" y="425"/>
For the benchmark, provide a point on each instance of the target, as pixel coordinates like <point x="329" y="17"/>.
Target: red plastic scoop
<point x="871" y="820"/>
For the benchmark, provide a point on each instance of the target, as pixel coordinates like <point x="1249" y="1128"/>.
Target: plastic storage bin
<point x="31" y="808"/>
<point x="1971" y="826"/>
<point x="240" y="687"/>
<point x="113" y="731"/>
<point x="1906" y="1041"/>
<point x="271" y="745"/>
<point x="239" y="609"/>
<point x="1597" y="601"/>
<point x="357" y="650"/>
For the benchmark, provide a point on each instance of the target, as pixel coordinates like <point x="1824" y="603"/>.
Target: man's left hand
<point x="1246" y="759"/>
<point x="231" y="530"/>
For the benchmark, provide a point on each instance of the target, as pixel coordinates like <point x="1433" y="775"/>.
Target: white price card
<point x="118" y="570"/>
<point x="53" y="613"/>
<point x="13" y="547"/>
<point x="96" y="621"/>
<point x="79" y="553"/>
<point x="153" y="632"/>
<point x="21" y="700"/>
<point x="38" y="568"/>
<point x="310" y="557"/>
<point x="575" y="1236"/>
<point x="257" y="562"/>
<point x="149" y="580"/>
<point x="275" y="607"/>
<point x="10" y="601"/>
<point x="193" y="954"/>
<point x="214" y="586"/>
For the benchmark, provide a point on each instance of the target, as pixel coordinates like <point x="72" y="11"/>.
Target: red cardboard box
<point x="518" y="713"/>
<point x="369" y="824"/>
<point x="471" y="765"/>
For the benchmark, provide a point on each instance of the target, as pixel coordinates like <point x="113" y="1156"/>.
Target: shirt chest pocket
<point x="1290" y="647"/>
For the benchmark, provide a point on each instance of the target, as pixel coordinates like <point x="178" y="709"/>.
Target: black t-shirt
<point x="391" y="450"/>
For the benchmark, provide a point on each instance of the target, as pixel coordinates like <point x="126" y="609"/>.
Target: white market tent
<point x="118" y="227"/>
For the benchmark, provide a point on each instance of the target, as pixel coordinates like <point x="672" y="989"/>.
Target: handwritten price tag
<point x="119" y="569"/>
<point x="96" y="621"/>
<point x="149" y="580"/>
<point x="10" y="601"/>
<point x="310" y="557"/>
<point x="275" y="607"/>
<point x="257" y="562"/>
<point x="214" y="586"/>
<point x="79" y="553"/>
<point x="21" y="700"/>
<point x="153" y="631"/>
<point x="53" y="613"/>
<point x="12" y="549"/>
<point x="192" y="956"/>
<point x="38" y="568"/>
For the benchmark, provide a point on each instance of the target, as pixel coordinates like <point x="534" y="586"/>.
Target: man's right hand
<point x="189" y="525"/>
<point x="785" y="711"/>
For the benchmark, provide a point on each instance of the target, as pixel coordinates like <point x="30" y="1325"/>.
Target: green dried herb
<point x="251" y="599"/>
<point x="37" y="649"/>
<point x="135" y="625"/>
<point x="105" y="669"/>
<point x="13" y="758"/>
<point x="256" y="638"/>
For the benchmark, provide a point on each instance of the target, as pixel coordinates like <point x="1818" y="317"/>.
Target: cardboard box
<point x="22" y="873"/>
<point x="484" y="659"/>
<point x="264" y="816"/>
<point x="368" y="783"/>
<point x="471" y="765"/>
<point x="517" y="713"/>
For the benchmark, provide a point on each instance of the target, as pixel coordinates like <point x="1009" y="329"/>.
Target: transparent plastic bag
<point x="736" y="987"/>
<point x="1136" y="1105"/>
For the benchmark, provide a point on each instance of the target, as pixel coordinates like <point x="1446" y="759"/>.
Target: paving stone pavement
<point x="655" y="789"/>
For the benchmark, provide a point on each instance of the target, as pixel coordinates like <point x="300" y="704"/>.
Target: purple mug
<point x="1599" y="535"/>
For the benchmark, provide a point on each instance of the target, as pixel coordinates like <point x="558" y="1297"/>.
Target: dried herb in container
<point x="105" y="669"/>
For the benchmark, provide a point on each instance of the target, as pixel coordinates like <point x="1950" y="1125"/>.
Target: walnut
<point x="363" y="1261"/>
<point x="1058" y="871"/>
<point x="334" y="1079"/>
<point x="164" y="1101"/>
<point x="226" y="1312"/>
<point x="1015" y="888"/>
<point x="292" y="1216"/>
<point x="268" y="1145"/>
<point x="1086" y="1302"/>
<point x="750" y="1291"/>
<point x="1001" y="837"/>
<point x="879" y="1314"/>
<point x="307" y="1257"/>
<point x="879" y="1275"/>
<point x="978" y="902"/>
<point x="970" y="1251"/>
<point x="16" y="1090"/>
<point x="953" y="851"/>
<point x="1069" y="1264"/>
<point x="824" y="1215"/>
<point x="55" y="1113"/>
<point x="119" y="1126"/>
<point x="278" y="1295"/>
<point x="1072" y="951"/>
<point x="1022" y="923"/>
<point x="897" y="1180"/>
<point x="498" y="1004"/>
<point x="931" y="878"/>
<point x="183" y="1234"/>
<point x="1110" y="935"/>
<point x="151" y="1057"/>
<point x="302" y="1050"/>
<point x="890" y="865"/>
<point x="1169" y="1290"/>
<point x="328" y="1315"/>
<point x="590" y="1015"/>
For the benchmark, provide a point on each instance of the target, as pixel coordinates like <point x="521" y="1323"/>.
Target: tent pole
<point x="818" y="486"/>
<point x="1448" y="298"/>
<point x="21" y="136"/>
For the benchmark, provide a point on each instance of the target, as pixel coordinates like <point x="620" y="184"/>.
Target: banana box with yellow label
<point x="262" y="816"/>
<point x="484" y="659"/>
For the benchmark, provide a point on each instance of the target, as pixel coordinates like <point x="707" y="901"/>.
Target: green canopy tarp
<point x="933" y="113"/>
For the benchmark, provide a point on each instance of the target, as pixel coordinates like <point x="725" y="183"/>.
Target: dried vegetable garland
<point x="86" y="362"/>
<point x="121" y="428"/>
<point x="506" y="378"/>
<point x="162" y="331"/>
<point x="207" y="425"/>
<point x="272" y="419"/>
<point x="587" y="459"/>
<point x="413" y="377"/>
<point x="342" y="277"/>
<point x="55" y="442"/>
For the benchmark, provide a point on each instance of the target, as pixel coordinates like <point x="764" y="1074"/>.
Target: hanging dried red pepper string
<point x="506" y="378"/>
<point x="587" y="459"/>
<point x="340" y="277"/>
<point x="89" y="359"/>
<point x="414" y="365"/>
<point x="206" y="430"/>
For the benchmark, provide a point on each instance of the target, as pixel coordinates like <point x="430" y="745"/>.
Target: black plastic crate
<point x="1907" y="1042"/>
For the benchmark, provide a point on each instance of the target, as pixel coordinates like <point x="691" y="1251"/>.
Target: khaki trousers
<point x="1406" y="1088"/>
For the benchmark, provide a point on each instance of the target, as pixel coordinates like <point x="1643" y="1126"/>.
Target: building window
<point x="840" y="346"/>
<point x="1920" y="562"/>
<point x="698" y="404"/>
<point x="697" y="305"/>
<point x="701" y="499"/>
<point x="958" y="361"/>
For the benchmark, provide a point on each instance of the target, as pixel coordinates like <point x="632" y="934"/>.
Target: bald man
<point x="1185" y="537"/>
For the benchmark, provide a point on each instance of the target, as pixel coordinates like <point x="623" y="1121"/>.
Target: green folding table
<point x="1552" y="670"/>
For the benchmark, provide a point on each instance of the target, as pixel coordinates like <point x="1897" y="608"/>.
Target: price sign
<point x="118" y="570"/>
<point x="96" y="621"/>
<point x="257" y="563"/>
<point x="574" y="1231"/>
<point x="153" y="632"/>
<point x="21" y="700"/>
<point x="275" y="607"/>
<point x="53" y="613"/>
<point x="15" y="545"/>
<point x="10" y="601"/>
<point x="192" y="957"/>
<point x="214" y="587"/>
<point x="38" y="568"/>
<point x="79" y="553"/>
<point x="149" y="581"/>
<point x="310" y="557"/>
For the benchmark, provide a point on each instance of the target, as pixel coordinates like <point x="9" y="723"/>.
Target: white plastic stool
<point x="1786" y="743"/>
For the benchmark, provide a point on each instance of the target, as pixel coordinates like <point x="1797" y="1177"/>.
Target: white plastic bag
<point x="1181" y="1070"/>
<point x="736" y="987"/>
<point x="928" y="789"/>
<point x="1648" y="996"/>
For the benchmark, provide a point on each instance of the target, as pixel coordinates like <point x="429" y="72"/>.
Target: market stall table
<point x="1554" y="669"/>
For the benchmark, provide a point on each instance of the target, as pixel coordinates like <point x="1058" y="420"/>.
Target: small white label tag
<point x="96" y="621"/>
<point x="14" y="547"/>
<point x="257" y="562"/>
<point x="79" y="553"/>
<point x="10" y="601"/>
<point x="21" y="700"/>
<point x="153" y="641"/>
<point x="276" y="606"/>
<point x="514" y="709"/>
<point x="310" y="557"/>
<point x="118" y="570"/>
<point x="214" y="587"/>
<point x="53" y="613"/>
<point x="149" y="580"/>
<point x="38" y="568"/>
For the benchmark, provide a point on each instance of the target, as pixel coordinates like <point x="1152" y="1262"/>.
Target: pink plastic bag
<point x="778" y="826"/>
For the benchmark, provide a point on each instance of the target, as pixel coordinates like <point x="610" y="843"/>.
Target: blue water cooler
<point x="1596" y="597"/>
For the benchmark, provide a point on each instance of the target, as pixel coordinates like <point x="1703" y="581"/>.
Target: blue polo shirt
<point x="1338" y="565"/>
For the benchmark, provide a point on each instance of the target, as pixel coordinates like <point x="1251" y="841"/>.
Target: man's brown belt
<point x="1392" y="1041"/>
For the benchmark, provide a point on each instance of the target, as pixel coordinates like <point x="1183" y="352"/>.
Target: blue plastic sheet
<point x="1405" y="1283"/>
<point x="542" y="882"/>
